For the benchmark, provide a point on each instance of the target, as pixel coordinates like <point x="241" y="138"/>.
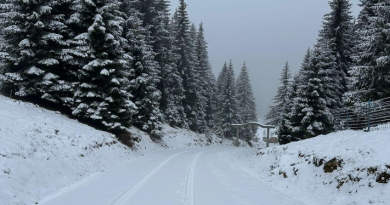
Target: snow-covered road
<point x="183" y="177"/>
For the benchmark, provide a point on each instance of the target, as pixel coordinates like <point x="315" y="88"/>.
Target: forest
<point x="118" y="63"/>
<point x="349" y="65"/>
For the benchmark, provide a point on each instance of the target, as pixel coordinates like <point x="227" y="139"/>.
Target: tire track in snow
<point x="189" y="192"/>
<point x="126" y="196"/>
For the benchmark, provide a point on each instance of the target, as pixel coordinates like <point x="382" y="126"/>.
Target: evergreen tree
<point x="337" y="34"/>
<point x="196" y="86"/>
<point x="281" y="99"/>
<point x="298" y="102"/>
<point x="144" y="74"/>
<point x="185" y="36"/>
<point x="312" y="116"/>
<point x="370" y="77"/>
<point x="279" y="113"/>
<point x="206" y="79"/>
<point x="220" y="84"/>
<point x="170" y="84"/>
<point x="228" y="112"/>
<point x="285" y="130"/>
<point x="101" y="96"/>
<point x="246" y="102"/>
<point x="33" y="49"/>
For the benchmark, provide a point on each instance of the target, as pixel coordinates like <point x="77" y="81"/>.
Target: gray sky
<point x="264" y="33"/>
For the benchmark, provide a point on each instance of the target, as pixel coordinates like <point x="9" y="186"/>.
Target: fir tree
<point x="370" y="76"/>
<point x="279" y="113"/>
<point x="285" y="130"/>
<point x="185" y="36"/>
<point x="101" y="96"/>
<point x="170" y="84"/>
<point x="281" y="99"/>
<point x="312" y="114"/>
<point x="34" y="43"/>
<point x="228" y="110"/>
<point x="337" y="34"/>
<point x="246" y="102"/>
<point x="144" y="74"/>
<point x="205" y="81"/>
<point x="220" y="84"/>
<point x="298" y="102"/>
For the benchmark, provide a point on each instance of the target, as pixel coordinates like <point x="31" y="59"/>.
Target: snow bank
<point x="42" y="152"/>
<point x="342" y="168"/>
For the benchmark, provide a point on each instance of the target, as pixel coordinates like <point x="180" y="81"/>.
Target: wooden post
<point x="237" y="136"/>
<point x="268" y="137"/>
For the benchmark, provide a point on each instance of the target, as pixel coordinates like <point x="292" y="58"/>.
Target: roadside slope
<point x="42" y="153"/>
<point x="342" y="168"/>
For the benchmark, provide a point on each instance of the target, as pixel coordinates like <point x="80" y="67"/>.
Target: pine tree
<point x="289" y="122"/>
<point x="312" y="116"/>
<point x="370" y="77"/>
<point x="298" y="102"/>
<point x="279" y="113"/>
<point x="281" y="99"/>
<point x="218" y="101"/>
<point x="101" y="96"/>
<point x="247" y="103"/>
<point x="228" y="110"/>
<point x="185" y="36"/>
<point x="34" y="43"/>
<point x="206" y="79"/>
<point x="144" y="74"/>
<point x="337" y="34"/>
<point x="170" y="84"/>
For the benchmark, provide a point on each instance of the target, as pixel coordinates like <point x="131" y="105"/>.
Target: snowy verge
<point x="43" y="153"/>
<point x="342" y="168"/>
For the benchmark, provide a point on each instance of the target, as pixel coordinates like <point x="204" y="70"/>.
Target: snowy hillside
<point x="342" y="168"/>
<point x="42" y="152"/>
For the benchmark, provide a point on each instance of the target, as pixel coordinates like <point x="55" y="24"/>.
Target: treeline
<point x="349" y="64"/>
<point x="111" y="63"/>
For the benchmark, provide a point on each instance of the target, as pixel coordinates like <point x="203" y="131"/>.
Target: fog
<point x="263" y="33"/>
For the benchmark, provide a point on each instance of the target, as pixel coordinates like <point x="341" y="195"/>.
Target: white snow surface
<point x="364" y="158"/>
<point x="175" y="177"/>
<point x="47" y="158"/>
<point x="43" y="154"/>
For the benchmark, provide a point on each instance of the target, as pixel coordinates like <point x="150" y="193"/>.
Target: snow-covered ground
<point x="343" y="168"/>
<point x="46" y="158"/>
<point x="43" y="154"/>
<point x="175" y="177"/>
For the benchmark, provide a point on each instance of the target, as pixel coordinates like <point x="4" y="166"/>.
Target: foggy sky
<point x="263" y="33"/>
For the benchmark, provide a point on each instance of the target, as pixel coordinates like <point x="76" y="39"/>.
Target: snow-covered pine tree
<point x="312" y="114"/>
<point x="206" y="80"/>
<point x="279" y="113"/>
<point x="144" y="74"/>
<point x="218" y="101"/>
<point x="102" y="95"/>
<point x="33" y="49"/>
<point x="299" y="102"/>
<point x="285" y="130"/>
<point x="370" y="78"/>
<point x="275" y="115"/>
<point x="246" y="102"/>
<point x="185" y="37"/>
<point x="337" y="33"/>
<point x="170" y="84"/>
<point x="221" y="79"/>
<point x="196" y="92"/>
<point x="330" y="74"/>
<point x="228" y="110"/>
